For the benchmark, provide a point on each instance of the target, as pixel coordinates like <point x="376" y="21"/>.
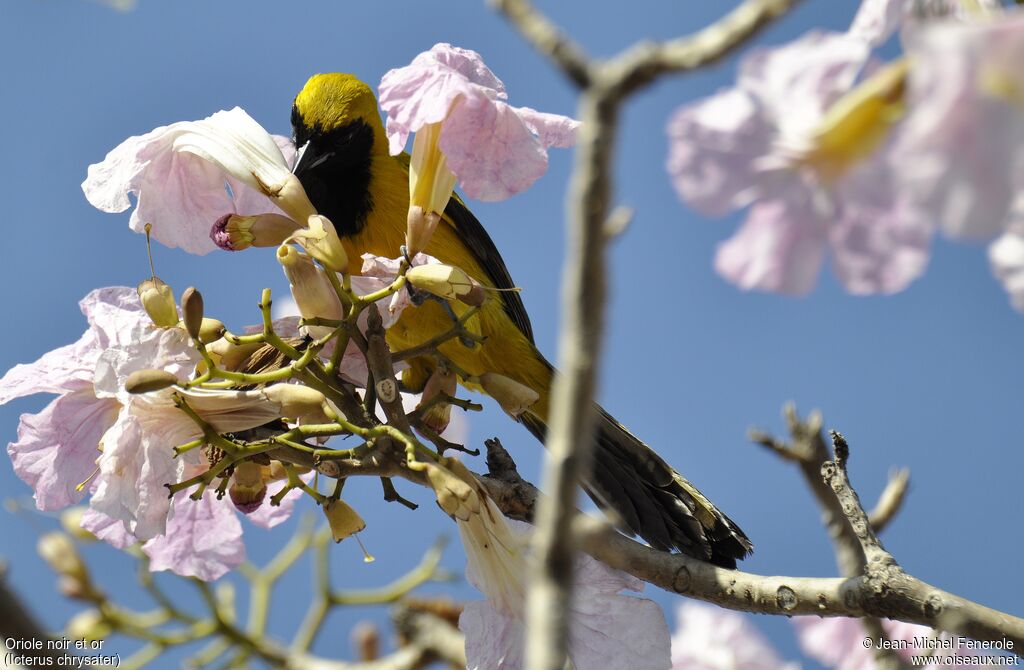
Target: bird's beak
<point x="298" y="157"/>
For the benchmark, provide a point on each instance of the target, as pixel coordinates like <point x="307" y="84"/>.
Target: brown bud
<point x="147" y="381"/>
<point x="248" y="487"/>
<point x="192" y="311"/>
<point x="437" y="416"/>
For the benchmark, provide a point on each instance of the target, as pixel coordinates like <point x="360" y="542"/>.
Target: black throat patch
<point x="335" y="171"/>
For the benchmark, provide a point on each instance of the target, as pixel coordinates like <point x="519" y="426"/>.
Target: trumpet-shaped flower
<point x="799" y="137"/>
<point x="961" y="154"/>
<point x="494" y="149"/>
<point x="187" y="175"/>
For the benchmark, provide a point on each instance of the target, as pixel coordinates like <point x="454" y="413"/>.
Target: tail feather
<point x="653" y="500"/>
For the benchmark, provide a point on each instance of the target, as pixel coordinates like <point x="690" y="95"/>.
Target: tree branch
<point x="605" y="87"/>
<point x="892" y="595"/>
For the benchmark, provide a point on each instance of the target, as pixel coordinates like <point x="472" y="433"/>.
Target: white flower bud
<point x="321" y="241"/>
<point x="420" y="227"/>
<point x="296" y="400"/>
<point x="514" y="398"/>
<point x="311" y="289"/>
<point x="444" y="281"/>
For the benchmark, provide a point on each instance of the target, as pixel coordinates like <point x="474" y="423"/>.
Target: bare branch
<point x="643" y="63"/>
<point x="903" y="597"/>
<point x="547" y="39"/>
<point x="807" y="449"/>
<point x="891" y="500"/>
<point x="605" y="87"/>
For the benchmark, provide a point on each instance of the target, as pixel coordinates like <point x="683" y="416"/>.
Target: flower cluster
<point x="170" y="426"/>
<point x="833" y="150"/>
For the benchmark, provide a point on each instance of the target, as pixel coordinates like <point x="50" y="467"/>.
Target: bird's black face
<point x="334" y="168"/>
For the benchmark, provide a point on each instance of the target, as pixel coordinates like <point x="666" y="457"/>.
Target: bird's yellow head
<point x="341" y="146"/>
<point x="332" y="102"/>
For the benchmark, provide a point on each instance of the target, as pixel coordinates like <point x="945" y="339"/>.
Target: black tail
<point x="653" y="500"/>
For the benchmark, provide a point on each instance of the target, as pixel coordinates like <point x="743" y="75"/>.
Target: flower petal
<point x="491" y="150"/>
<point x="960" y="152"/>
<point x="493" y="641"/>
<point x="134" y="469"/>
<point x="877" y="20"/>
<point x="177" y="189"/>
<point x="57" y="448"/>
<point x="63" y="370"/>
<point x="880" y="242"/>
<point x="203" y="539"/>
<point x="713" y="145"/>
<point x="268" y="516"/>
<point x="111" y="531"/>
<point x="615" y="631"/>
<point x="778" y="248"/>
<point x="424" y="91"/>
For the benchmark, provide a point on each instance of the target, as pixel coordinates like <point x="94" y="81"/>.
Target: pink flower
<point x="839" y="642"/>
<point x="607" y="629"/>
<point x="782" y="140"/>
<point x="59" y="448"/>
<point x="187" y="175"/>
<point x="494" y="149"/>
<point x="961" y="154"/>
<point x="203" y="539"/>
<point x="713" y="638"/>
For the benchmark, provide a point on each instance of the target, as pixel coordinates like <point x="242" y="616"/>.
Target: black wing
<point x="479" y="242"/>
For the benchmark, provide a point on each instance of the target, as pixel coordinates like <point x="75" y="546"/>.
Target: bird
<point x="350" y="177"/>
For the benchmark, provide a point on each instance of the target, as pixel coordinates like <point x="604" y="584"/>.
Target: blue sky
<point x="929" y="378"/>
